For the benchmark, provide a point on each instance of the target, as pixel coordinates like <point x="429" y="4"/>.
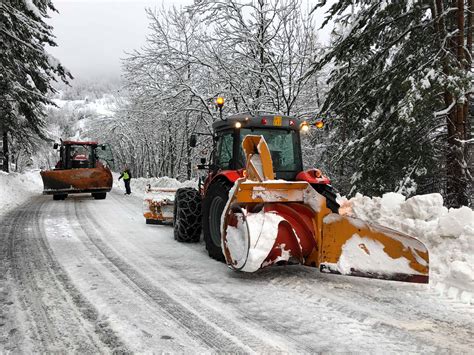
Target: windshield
<point x="78" y="156"/>
<point x="283" y="147"/>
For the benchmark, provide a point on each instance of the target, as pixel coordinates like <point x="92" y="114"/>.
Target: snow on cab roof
<point x="80" y="143"/>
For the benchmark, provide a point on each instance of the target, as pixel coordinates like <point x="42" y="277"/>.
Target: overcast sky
<point x="92" y="35"/>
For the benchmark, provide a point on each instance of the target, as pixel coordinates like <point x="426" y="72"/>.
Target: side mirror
<point x="202" y="166"/>
<point x="193" y="141"/>
<point x="55" y="146"/>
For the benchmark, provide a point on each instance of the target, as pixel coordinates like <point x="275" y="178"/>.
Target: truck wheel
<point x="187" y="215"/>
<point x="212" y="208"/>
<point x="328" y="192"/>
<point x="99" y="195"/>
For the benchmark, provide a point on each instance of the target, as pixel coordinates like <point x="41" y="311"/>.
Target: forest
<point x="393" y="86"/>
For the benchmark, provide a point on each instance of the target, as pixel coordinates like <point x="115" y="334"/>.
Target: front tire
<point x="187" y="215"/>
<point x="99" y="195"/>
<point x="212" y="208"/>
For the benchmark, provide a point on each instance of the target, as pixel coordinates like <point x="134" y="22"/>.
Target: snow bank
<point x="138" y="185"/>
<point x="447" y="233"/>
<point x="16" y="188"/>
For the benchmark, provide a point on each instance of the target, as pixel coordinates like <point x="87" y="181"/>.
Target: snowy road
<point x="90" y="276"/>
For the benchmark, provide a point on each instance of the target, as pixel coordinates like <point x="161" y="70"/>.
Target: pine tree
<point x="26" y="69"/>
<point x="399" y="90"/>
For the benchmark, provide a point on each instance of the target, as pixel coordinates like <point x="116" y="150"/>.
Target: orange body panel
<point x="97" y="179"/>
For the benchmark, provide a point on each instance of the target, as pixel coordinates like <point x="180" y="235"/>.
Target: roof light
<point x="220" y="101"/>
<point x="264" y="120"/>
<point x="304" y="127"/>
<point x="319" y="124"/>
<point x="238" y="124"/>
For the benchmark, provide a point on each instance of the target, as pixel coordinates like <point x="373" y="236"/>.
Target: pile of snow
<point x="447" y="233"/>
<point x="16" y="188"/>
<point x="249" y="254"/>
<point x="139" y="185"/>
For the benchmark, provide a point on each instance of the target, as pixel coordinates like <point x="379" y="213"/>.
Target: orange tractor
<point x="258" y="207"/>
<point x="82" y="168"/>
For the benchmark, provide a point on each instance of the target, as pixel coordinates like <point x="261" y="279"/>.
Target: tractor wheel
<point x="331" y="197"/>
<point x="187" y="215"/>
<point x="212" y="208"/>
<point x="99" y="195"/>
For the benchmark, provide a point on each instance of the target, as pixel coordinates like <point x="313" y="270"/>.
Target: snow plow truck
<point x="258" y="207"/>
<point x="82" y="168"/>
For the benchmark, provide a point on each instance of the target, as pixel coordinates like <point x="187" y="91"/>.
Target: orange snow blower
<point x="257" y="206"/>
<point x="82" y="168"/>
<point x="268" y="221"/>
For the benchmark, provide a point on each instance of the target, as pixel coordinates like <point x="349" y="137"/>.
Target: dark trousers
<point x="127" y="186"/>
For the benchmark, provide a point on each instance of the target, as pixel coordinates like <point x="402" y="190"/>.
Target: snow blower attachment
<point x="158" y="205"/>
<point x="268" y="221"/>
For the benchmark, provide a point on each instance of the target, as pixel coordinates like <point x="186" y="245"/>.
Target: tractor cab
<point x="281" y="133"/>
<point x="80" y="155"/>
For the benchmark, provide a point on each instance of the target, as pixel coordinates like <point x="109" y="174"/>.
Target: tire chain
<point x="188" y="215"/>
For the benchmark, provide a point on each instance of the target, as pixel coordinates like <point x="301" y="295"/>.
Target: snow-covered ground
<point x="138" y="185"/>
<point x="85" y="275"/>
<point x="16" y="188"/>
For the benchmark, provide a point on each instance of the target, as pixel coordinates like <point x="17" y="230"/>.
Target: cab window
<point x="224" y="151"/>
<point x="283" y="147"/>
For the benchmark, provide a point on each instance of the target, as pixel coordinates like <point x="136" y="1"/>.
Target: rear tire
<point x="187" y="215"/>
<point x="212" y="208"/>
<point x="99" y="195"/>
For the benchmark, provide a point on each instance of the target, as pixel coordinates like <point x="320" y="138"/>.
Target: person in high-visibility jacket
<point x="127" y="176"/>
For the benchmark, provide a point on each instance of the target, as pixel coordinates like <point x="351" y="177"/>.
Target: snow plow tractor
<point x="82" y="168"/>
<point x="257" y="207"/>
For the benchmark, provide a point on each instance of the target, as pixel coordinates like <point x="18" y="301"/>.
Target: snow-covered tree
<point x="399" y="86"/>
<point x="254" y="54"/>
<point x="26" y="70"/>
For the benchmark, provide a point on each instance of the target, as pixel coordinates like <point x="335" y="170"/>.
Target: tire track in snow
<point x="57" y="317"/>
<point x="403" y="319"/>
<point x="196" y="325"/>
<point x="256" y="335"/>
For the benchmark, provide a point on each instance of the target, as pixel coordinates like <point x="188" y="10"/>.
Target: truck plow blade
<point x="273" y="222"/>
<point x="76" y="180"/>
